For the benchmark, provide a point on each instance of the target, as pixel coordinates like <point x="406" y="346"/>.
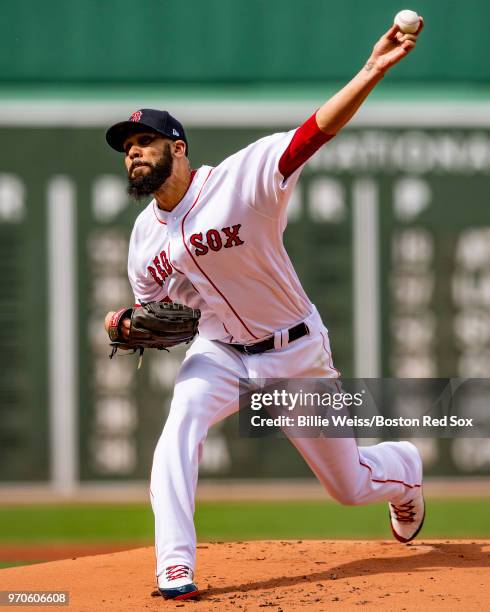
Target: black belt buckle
<point x="295" y="333"/>
<point x="251" y="349"/>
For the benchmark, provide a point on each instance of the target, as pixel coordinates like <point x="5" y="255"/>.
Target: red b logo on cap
<point x="136" y="116"/>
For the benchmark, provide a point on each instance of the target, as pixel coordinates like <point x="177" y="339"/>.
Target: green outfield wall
<point x="389" y="231"/>
<point x="104" y="42"/>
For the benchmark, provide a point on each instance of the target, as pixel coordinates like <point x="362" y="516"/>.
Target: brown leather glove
<point x="158" y="325"/>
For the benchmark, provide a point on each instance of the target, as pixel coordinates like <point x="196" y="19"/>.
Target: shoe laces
<point x="404" y="513"/>
<point x="173" y="572"/>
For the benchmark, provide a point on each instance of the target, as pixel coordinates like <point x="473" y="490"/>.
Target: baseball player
<point x="211" y="239"/>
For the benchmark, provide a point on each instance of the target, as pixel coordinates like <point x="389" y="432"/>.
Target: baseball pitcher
<point x="207" y="252"/>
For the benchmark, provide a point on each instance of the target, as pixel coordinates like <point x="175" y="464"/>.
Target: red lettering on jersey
<point x="161" y="271"/>
<point x="214" y="240"/>
<point x="155" y="276"/>
<point x="165" y="263"/>
<point x="232" y="237"/>
<point x="196" y="241"/>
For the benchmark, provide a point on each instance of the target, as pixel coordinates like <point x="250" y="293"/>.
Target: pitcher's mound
<point x="292" y="575"/>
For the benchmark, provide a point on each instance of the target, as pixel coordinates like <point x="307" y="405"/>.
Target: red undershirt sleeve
<point x="307" y="139"/>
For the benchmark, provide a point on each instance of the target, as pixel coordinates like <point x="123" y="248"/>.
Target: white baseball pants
<point x="206" y="391"/>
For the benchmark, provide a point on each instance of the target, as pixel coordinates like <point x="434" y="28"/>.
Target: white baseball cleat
<point x="177" y="583"/>
<point x="407" y="519"/>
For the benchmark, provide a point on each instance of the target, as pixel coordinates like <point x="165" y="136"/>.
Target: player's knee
<point x="177" y="424"/>
<point x="348" y="496"/>
<point x="180" y="439"/>
<point x="348" y="500"/>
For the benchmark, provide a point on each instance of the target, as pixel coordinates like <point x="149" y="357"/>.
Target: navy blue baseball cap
<point x="143" y="120"/>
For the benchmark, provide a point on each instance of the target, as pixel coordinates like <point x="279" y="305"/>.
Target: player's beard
<point x="141" y="186"/>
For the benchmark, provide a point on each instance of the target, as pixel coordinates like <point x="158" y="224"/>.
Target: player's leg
<point x="205" y="392"/>
<point x="390" y="471"/>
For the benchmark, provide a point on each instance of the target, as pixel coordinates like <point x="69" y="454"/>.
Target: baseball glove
<point x="158" y="325"/>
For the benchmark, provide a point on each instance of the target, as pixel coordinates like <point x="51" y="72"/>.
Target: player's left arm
<point x="331" y="117"/>
<point x="391" y="48"/>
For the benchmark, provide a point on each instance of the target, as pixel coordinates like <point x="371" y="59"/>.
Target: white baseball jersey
<point x="221" y="248"/>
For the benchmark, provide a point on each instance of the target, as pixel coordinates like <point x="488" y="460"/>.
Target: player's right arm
<point x="145" y="289"/>
<point x="124" y="326"/>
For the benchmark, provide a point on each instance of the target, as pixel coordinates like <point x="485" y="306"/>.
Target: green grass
<point x="451" y="518"/>
<point x="82" y="523"/>
<point x="319" y="520"/>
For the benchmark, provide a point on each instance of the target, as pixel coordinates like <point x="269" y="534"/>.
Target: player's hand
<point x="125" y="324"/>
<point x="392" y="47"/>
<point x="107" y="319"/>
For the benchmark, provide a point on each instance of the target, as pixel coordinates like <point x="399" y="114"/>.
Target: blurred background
<point x="389" y="227"/>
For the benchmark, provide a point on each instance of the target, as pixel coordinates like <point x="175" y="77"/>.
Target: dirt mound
<point x="282" y="575"/>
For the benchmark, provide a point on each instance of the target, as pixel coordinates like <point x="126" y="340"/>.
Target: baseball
<point x="408" y="21"/>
